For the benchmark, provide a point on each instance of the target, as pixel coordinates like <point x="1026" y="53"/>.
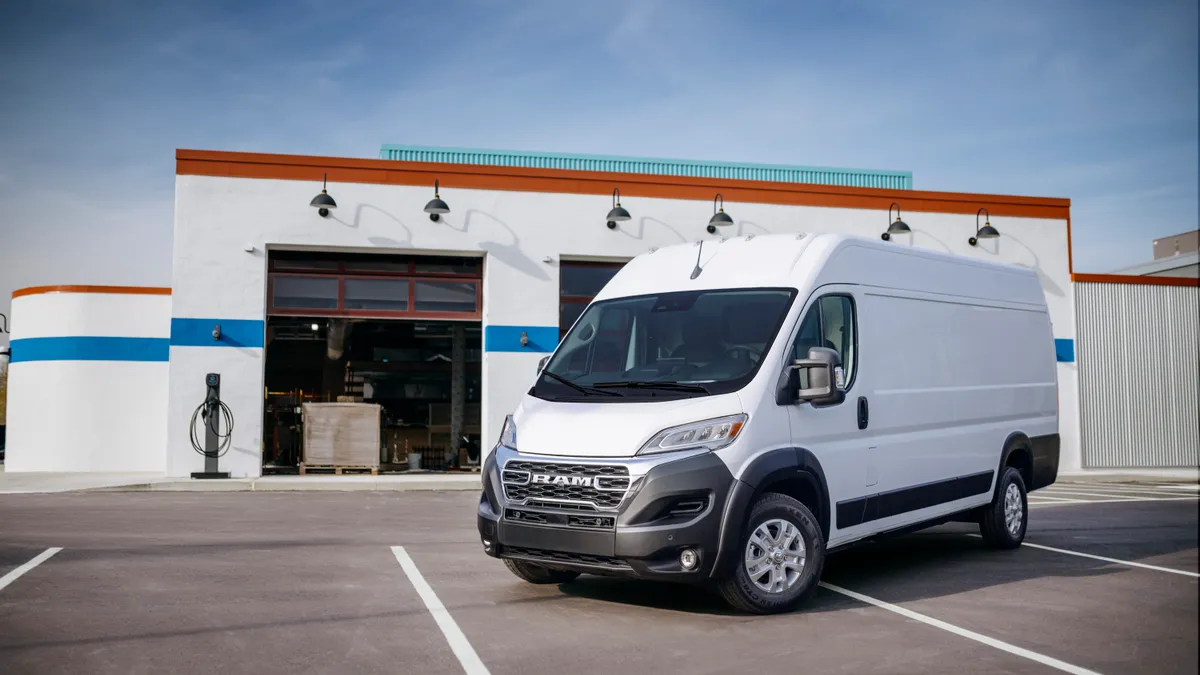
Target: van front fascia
<point x="675" y="501"/>
<point x="645" y="539"/>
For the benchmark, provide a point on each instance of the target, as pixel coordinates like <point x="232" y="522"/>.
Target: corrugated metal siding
<point x="1137" y="348"/>
<point x="894" y="180"/>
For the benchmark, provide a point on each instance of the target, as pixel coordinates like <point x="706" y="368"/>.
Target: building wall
<point x="1137" y="351"/>
<point x="88" y="380"/>
<point x="522" y="235"/>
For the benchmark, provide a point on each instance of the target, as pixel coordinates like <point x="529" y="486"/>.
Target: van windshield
<point x="670" y="345"/>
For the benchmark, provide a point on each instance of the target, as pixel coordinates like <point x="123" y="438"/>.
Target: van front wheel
<point x="780" y="557"/>
<point x="1003" y="522"/>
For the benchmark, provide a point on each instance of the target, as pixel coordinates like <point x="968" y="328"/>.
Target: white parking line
<point x="1115" y="561"/>
<point x="1116" y="501"/>
<point x="1193" y="487"/>
<point x="37" y="560"/>
<point x="1049" y="498"/>
<point x="1120" y="490"/>
<point x="1082" y="493"/>
<point x="459" y="644"/>
<point x="963" y="632"/>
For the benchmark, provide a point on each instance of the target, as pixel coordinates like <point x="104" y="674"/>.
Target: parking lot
<point x="357" y="582"/>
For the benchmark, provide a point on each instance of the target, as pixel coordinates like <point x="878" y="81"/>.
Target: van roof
<point x="806" y="261"/>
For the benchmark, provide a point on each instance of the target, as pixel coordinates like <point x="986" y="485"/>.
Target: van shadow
<point x="943" y="562"/>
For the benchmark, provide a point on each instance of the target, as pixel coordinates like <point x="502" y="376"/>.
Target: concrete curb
<point x="465" y="483"/>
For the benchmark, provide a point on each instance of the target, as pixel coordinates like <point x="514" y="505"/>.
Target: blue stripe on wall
<point x="234" y="332"/>
<point x="542" y="339"/>
<point x="1064" y="349"/>
<point x="90" y="348"/>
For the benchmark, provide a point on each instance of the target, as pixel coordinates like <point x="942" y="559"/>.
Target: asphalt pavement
<point x="315" y="582"/>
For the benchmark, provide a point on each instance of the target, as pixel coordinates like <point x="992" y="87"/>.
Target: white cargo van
<point x="731" y="412"/>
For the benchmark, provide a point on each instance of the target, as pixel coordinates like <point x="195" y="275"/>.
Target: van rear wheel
<point x="536" y="574"/>
<point x="1003" y="522"/>
<point x="780" y="557"/>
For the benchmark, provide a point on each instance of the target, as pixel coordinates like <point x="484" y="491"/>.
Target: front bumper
<point x="643" y="537"/>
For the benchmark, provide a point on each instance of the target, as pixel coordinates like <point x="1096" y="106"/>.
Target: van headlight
<point x="707" y="434"/>
<point x="508" y="434"/>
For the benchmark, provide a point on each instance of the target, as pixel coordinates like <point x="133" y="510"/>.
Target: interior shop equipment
<point x="211" y="413"/>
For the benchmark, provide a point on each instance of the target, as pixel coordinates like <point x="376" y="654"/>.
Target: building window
<point x="579" y="282"/>
<point x="321" y="284"/>
<point x="376" y="294"/>
<point x="296" y="292"/>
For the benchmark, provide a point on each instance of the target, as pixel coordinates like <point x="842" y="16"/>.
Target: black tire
<point x="740" y="591"/>
<point x="536" y="574"/>
<point x="993" y="524"/>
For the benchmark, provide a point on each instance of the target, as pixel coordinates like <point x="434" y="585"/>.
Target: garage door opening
<point x="373" y="363"/>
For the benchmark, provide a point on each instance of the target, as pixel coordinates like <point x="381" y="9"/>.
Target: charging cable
<point x="225" y="439"/>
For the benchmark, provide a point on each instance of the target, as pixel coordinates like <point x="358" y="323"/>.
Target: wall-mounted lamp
<point x="216" y="332"/>
<point x="323" y="202"/>
<point x="896" y="227"/>
<point x="436" y="207"/>
<point x="524" y="339"/>
<point x="618" y="214"/>
<point x="985" y="232"/>
<point x="719" y="218"/>
<point x="3" y="324"/>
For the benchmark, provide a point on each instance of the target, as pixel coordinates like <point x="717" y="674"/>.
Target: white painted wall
<point x="87" y="415"/>
<point x="213" y="277"/>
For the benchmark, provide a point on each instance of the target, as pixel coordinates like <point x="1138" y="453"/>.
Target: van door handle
<point x="863" y="412"/>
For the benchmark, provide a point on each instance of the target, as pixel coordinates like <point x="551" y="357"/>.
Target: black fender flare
<point x="769" y="467"/>
<point x="1017" y="440"/>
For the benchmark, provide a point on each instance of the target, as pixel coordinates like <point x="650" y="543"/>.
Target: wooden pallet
<point x="322" y="468"/>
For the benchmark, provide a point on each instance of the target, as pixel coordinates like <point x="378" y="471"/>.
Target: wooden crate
<point x="341" y="435"/>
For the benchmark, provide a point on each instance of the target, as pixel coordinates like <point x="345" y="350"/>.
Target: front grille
<point x="581" y="487"/>
<point x="541" y="555"/>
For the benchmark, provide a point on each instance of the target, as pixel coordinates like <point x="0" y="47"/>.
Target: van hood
<point x="575" y="429"/>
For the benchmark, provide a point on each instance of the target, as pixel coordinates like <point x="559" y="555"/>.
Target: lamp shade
<point x="323" y="201"/>
<point x="899" y="227"/>
<point x="618" y="214"/>
<point x="987" y="232"/>
<point x="720" y="218"/>
<point x="436" y="205"/>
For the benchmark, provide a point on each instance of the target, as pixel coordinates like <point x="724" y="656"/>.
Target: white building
<point x="524" y="245"/>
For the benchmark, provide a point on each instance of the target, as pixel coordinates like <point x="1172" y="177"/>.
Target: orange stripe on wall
<point x="522" y="179"/>
<point x="126" y="290"/>
<point x="1134" y="280"/>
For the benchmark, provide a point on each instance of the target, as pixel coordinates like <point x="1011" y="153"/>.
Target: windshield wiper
<point x="665" y="386"/>
<point x="586" y="391"/>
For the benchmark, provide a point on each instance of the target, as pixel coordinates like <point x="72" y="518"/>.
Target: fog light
<point x="688" y="559"/>
<point x="487" y="544"/>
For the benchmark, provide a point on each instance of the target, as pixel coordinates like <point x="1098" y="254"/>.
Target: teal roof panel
<point x="811" y="175"/>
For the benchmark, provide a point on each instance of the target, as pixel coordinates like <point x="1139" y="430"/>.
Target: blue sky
<point x="1091" y="100"/>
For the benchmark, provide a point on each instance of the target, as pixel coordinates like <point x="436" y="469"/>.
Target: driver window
<point x="829" y="323"/>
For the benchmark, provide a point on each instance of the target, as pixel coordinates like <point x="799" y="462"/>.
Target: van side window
<point x="829" y="323"/>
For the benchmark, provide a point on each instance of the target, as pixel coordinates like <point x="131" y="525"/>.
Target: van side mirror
<point x="826" y="379"/>
<point x="542" y="364"/>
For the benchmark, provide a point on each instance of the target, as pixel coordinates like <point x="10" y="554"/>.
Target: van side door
<point x="839" y="435"/>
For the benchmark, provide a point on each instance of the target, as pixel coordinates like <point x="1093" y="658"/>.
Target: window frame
<point x="295" y="268"/>
<point x="584" y="300"/>
<point x="816" y="303"/>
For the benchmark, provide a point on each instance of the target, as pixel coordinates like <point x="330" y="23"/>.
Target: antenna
<point x="696" y="272"/>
